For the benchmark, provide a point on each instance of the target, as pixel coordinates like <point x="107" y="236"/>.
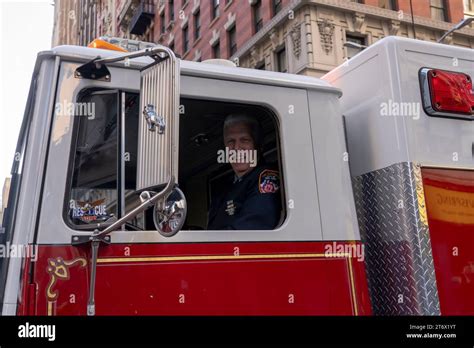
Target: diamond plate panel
<point x="392" y="221"/>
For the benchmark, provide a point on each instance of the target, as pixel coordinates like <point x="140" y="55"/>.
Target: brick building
<point x="298" y="36"/>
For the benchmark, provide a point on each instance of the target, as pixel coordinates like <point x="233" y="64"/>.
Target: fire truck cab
<point x="112" y="186"/>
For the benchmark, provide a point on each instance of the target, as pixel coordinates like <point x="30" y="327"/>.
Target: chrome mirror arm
<point x="103" y="236"/>
<point x="96" y="69"/>
<point x="142" y="207"/>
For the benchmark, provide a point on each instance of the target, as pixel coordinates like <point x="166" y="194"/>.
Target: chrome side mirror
<point x="169" y="215"/>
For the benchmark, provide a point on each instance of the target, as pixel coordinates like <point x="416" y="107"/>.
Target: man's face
<point x="238" y="137"/>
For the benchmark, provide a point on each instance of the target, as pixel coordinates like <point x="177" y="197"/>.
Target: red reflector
<point x="451" y="92"/>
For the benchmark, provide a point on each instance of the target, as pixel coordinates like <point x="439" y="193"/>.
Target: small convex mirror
<point x="169" y="216"/>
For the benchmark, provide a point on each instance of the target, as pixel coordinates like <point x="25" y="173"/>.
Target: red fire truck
<point x="117" y="163"/>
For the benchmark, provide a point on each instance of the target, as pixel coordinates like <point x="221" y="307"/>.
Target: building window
<point x="260" y="65"/>
<point x="276" y="6"/>
<point x="185" y="39"/>
<point x="469" y="10"/>
<point x="257" y="15"/>
<point x="468" y="6"/>
<point x="281" y="60"/>
<point x="162" y="23"/>
<point x="171" y="10"/>
<point x="215" y="8"/>
<point x="438" y="10"/>
<point x="216" y="50"/>
<point x="232" y="41"/>
<point x="388" y="4"/>
<point x="354" y="49"/>
<point x="197" y="25"/>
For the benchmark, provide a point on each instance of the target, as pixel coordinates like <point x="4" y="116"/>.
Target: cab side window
<point x="223" y="193"/>
<point x="97" y="192"/>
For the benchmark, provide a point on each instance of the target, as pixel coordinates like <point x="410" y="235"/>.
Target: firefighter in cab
<point x="251" y="199"/>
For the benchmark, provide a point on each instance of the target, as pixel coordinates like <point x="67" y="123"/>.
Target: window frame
<point x="304" y="223"/>
<point x="197" y="24"/>
<point x="354" y="36"/>
<point x="185" y="38"/>
<point x="216" y="48"/>
<point x="232" y="33"/>
<point x="277" y="6"/>
<point x="257" y="16"/>
<point x="293" y="228"/>
<point x="271" y="113"/>
<point x="468" y="6"/>
<point x="171" y="13"/>
<point x="278" y="54"/>
<point x="83" y="93"/>
<point x="443" y="8"/>
<point x="162" y="23"/>
<point x="215" y="10"/>
<point x="120" y="169"/>
<point x="392" y="4"/>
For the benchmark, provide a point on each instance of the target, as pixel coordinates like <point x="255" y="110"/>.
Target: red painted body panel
<point x="450" y="207"/>
<point x="202" y="279"/>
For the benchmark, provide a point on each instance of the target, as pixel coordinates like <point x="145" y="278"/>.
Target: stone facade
<point x="65" y="29"/>
<point x="314" y="33"/>
<point x="301" y="36"/>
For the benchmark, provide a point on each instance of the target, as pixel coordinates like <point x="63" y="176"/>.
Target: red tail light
<point x="447" y="93"/>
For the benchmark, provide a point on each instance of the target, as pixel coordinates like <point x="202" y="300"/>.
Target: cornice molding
<point x="267" y="28"/>
<point x="389" y="14"/>
<point x="359" y="13"/>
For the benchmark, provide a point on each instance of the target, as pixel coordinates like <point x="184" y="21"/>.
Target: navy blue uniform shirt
<point x="252" y="202"/>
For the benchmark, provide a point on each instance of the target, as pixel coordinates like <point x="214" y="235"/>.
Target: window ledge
<point x="213" y="21"/>
<point x="170" y="25"/>
<point x="185" y="5"/>
<point x="228" y="5"/>
<point x="197" y="40"/>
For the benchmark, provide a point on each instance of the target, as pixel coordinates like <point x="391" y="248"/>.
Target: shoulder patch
<point x="268" y="181"/>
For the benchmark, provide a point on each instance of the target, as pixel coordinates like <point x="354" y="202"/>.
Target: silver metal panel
<point x="31" y="176"/>
<point x="367" y="81"/>
<point x="302" y="222"/>
<point x="437" y="141"/>
<point x="158" y="151"/>
<point x="338" y="216"/>
<point x="189" y="68"/>
<point x="387" y="73"/>
<point x="392" y="221"/>
<point x="52" y="227"/>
